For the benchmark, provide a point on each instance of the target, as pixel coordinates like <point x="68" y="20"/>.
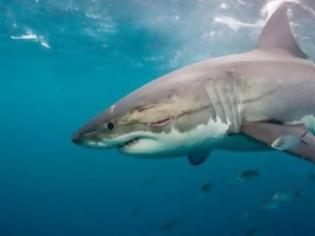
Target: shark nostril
<point x="77" y="139"/>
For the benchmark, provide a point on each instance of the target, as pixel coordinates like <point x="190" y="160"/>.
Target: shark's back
<point x="277" y="75"/>
<point x="276" y="89"/>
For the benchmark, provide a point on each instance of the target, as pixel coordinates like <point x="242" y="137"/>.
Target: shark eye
<point x="110" y="126"/>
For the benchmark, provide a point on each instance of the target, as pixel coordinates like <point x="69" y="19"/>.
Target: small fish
<point x="248" y="174"/>
<point x="276" y="199"/>
<point x="169" y="225"/>
<point x="270" y="205"/>
<point x="254" y="232"/>
<point x="283" y="196"/>
<point x="206" y="188"/>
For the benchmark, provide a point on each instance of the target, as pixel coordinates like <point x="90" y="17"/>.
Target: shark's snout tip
<point x="77" y="139"/>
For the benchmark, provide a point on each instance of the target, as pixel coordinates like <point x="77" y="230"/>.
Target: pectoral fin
<point x="198" y="157"/>
<point x="293" y="139"/>
<point x="286" y="142"/>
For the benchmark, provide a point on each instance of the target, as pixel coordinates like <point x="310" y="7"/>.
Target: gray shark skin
<point x="258" y="100"/>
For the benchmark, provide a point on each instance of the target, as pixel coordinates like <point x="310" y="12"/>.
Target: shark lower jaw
<point x="135" y="144"/>
<point x="138" y="146"/>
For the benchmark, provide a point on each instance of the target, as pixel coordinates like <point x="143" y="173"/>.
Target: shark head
<point x="133" y="130"/>
<point x="155" y="120"/>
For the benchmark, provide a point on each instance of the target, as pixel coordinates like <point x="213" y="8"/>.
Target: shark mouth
<point x="129" y="143"/>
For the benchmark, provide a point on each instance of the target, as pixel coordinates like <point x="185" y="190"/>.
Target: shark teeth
<point x="128" y="143"/>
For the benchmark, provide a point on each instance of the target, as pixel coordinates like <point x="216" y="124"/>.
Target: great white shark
<point x="260" y="100"/>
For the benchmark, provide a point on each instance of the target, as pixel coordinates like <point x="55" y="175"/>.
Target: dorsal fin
<point x="277" y="34"/>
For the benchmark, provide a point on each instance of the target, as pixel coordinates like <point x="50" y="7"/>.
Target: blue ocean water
<point x="61" y="62"/>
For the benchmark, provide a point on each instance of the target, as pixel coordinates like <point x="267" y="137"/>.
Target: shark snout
<point x="78" y="138"/>
<point x="89" y="136"/>
<point x="85" y="139"/>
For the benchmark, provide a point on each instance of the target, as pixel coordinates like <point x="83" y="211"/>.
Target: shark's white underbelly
<point x="174" y="142"/>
